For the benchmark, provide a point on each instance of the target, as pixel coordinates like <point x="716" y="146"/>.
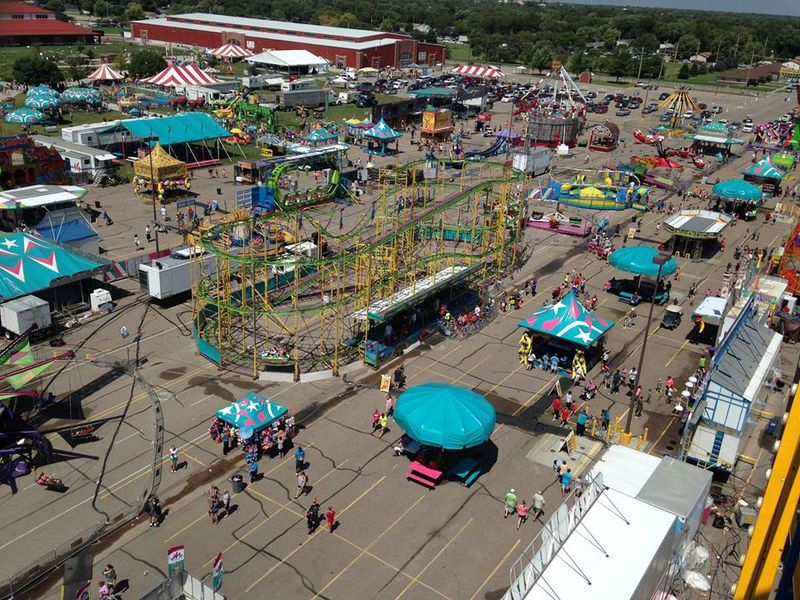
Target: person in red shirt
<point x="522" y="513"/>
<point x="564" y="415"/>
<point x="376" y="416"/>
<point x="330" y="517"/>
<point x="556" y="407"/>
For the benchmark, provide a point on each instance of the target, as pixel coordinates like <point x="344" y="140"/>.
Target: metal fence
<point x="529" y="567"/>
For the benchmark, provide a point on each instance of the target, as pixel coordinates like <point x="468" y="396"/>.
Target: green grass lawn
<point x="459" y="52"/>
<point x="108" y="51"/>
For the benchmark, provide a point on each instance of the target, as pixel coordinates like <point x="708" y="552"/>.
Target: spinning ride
<point x="305" y="311"/>
<point x="679" y="102"/>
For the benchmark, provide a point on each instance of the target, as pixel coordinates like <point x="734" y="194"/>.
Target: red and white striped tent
<point x="175" y="75"/>
<point x="478" y="71"/>
<point x="231" y="51"/>
<point x="104" y="73"/>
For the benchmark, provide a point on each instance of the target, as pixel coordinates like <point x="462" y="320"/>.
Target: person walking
<point x="564" y="416"/>
<point x="389" y="407"/>
<point x="615" y="380"/>
<point x="226" y="502"/>
<point x="312" y="516"/>
<point x="136" y="241"/>
<point x="580" y="423"/>
<point x="384" y="423"/>
<point x="330" y="517"/>
<point x="148" y="235"/>
<point x="522" y="513"/>
<point x="253" y="471"/>
<point x="605" y="415"/>
<point x="510" y="503"/>
<point x="566" y="481"/>
<point x="299" y="459"/>
<point x="110" y="577"/>
<point x="212" y="496"/>
<point x="302" y="483"/>
<point x="637" y="411"/>
<point x="568" y="401"/>
<point x="153" y="508"/>
<point x="173" y="459"/>
<point x="376" y="421"/>
<point x="556" y="408"/>
<point x="538" y="502"/>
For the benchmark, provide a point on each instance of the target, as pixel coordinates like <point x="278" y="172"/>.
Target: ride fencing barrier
<point x="535" y="558"/>
<point x="37" y="570"/>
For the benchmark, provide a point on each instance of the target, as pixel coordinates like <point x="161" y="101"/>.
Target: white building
<point x="289" y="61"/>
<point x="85" y="162"/>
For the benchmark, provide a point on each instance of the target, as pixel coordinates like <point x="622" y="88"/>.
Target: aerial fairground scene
<point x="453" y="300"/>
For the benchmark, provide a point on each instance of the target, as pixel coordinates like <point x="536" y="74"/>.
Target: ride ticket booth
<point x="437" y="125"/>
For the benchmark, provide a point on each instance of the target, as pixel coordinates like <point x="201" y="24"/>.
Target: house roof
<point x="43" y="27"/>
<point x="16" y="8"/>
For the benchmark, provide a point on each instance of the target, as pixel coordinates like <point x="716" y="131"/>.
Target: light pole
<point x="658" y="259"/>
<point x="153" y="194"/>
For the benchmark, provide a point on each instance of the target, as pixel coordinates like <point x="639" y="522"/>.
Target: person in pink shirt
<point x="522" y="513"/>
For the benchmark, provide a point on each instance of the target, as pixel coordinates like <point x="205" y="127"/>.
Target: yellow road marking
<point x="180" y="531"/>
<point x="283" y="507"/>
<point x="392" y="567"/>
<point x="678" y="351"/>
<point x="663" y="433"/>
<point x="296" y="550"/>
<point x="365" y="550"/>
<point x="433" y="560"/>
<point x="497" y="566"/>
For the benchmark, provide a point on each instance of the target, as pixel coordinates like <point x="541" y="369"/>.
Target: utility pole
<point x="641" y="58"/>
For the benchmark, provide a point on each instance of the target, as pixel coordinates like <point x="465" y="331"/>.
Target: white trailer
<point x="167" y="277"/>
<point x="20" y="314"/>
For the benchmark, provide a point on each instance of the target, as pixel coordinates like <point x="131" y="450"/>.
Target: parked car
<point x="663" y="96"/>
<point x="747" y="128"/>
<point x="601" y="109"/>
<point x="623" y="112"/>
<point x="702" y="105"/>
<point x="665" y="118"/>
<point x="716" y="109"/>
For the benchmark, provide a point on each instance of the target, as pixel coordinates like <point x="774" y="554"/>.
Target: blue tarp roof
<point x="568" y="320"/>
<point x="737" y="189"/>
<point x="180" y="129"/>
<point x="64" y="233"/>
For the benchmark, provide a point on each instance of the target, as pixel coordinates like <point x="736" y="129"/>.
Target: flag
<point x="175" y="558"/>
<point x="82" y="593"/>
<point x="19" y="354"/>
<point x="22" y="379"/>
<point x="218" y="572"/>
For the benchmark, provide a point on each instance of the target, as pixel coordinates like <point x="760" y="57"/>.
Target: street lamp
<point x="658" y="259"/>
<point x="153" y="138"/>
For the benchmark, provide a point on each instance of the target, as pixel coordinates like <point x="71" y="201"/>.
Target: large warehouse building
<point x="342" y="47"/>
<point x="23" y="24"/>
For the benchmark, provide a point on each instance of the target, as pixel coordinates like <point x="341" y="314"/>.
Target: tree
<point x="75" y="68"/>
<point x="684" y="72"/>
<point x="687" y="46"/>
<point x="651" y="66"/>
<point x="580" y="62"/>
<point x="541" y="57"/>
<point x="35" y="70"/>
<point x="646" y="41"/>
<point x="621" y="63"/>
<point x="101" y="8"/>
<point x="146" y="62"/>
<point x="134" y="12"/>
<point x="55" y="6"/>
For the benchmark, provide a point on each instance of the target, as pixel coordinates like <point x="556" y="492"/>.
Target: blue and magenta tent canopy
<point x="320" y="135"/>
<point x="737" y="189"/>
<point x="568" y="320"/>
<point x="42" y="102"/>
<point x="24" y="116"/>
<point x="382" y="131"/>
<point x="445" y="416"/>
<point x="639" y="261"/>
<point x="765" y="169"/>
<point x="253" y="412"/>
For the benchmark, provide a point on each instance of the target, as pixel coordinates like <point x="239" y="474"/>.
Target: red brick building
<point x="23" y="24"/>
<point x="342" y="47"/>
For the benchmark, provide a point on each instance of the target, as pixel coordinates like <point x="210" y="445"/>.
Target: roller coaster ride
<point x="306" y="310"/>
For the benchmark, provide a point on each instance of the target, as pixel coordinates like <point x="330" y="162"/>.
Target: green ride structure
<point x="302" y="295"/>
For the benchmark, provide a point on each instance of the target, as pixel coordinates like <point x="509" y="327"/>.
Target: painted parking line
<point x="433" y="560"/>
<point x="497" y="566"/>
<point x="397" y="570"/>
<point x="296" y="550"/>
<point x="283" y="507"/>
<point x="365" y="550"/>
<point x="661" y="435"/>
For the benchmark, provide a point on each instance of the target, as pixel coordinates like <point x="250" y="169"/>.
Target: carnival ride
<point x="554" y="110"/>
<point x="789" y="267"/>
<point x="306" y="310"/>
<point x="598" y="190"/>
<point x="679" y="102"/>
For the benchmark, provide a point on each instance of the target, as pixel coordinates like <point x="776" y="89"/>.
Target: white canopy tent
<point x="290" y="61"/>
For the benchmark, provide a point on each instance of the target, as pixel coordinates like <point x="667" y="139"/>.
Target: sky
<point x="768" y="7"/>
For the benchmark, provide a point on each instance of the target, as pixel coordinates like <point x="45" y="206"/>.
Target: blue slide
<point x="492" y="150"/>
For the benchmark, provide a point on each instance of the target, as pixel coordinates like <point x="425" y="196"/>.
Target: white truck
<point x="308" y="98"/>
